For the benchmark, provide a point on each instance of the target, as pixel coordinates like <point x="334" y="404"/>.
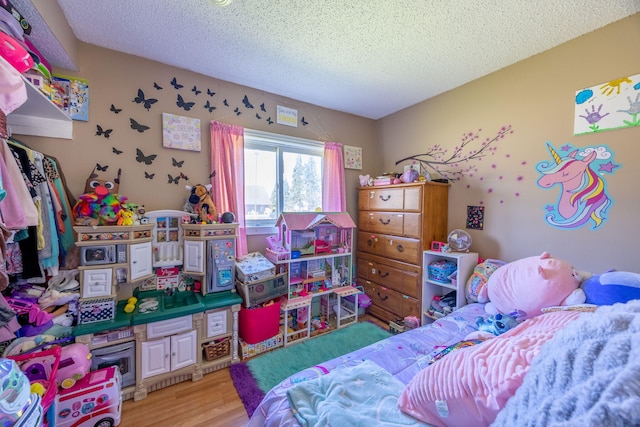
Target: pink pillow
<point x="532" y="283"/>
<point x="470" y="386"/>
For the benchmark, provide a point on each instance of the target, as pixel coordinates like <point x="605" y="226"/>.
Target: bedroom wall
<point x="536" y="97"/>
<point x="114" y="78"/>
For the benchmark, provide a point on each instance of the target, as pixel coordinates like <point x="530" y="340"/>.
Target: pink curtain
<point x="227" y="160"/>
<point x="333" y="192"/>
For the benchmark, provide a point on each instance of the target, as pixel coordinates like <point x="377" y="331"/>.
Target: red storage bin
<point x="259" y="324"/>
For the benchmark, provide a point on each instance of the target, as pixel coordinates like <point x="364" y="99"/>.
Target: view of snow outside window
<point x="265" y="198"/>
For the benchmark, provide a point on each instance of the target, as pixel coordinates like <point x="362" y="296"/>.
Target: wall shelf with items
<point x="38" y="116"/>
<point x="438" y="284"/>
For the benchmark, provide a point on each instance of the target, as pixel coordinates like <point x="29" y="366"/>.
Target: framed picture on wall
<point x="352" y="157"/>
<point x="180" y="133"/>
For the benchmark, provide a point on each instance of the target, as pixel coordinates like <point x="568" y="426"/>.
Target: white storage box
<point x="254" y="267"/>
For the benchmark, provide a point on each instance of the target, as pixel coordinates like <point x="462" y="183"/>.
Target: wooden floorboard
<point x="212" y="401"/>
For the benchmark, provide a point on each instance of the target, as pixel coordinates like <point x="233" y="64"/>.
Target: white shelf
<point x="38" y="116"/>
<point x="465" y="262"/>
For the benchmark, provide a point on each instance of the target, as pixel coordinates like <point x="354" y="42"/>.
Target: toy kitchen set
<point x="158" y="299"/>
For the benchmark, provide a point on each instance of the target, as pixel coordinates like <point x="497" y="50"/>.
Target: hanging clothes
<point x="17" y="210"/>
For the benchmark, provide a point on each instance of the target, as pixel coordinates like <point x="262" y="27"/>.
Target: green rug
<point x="270" y="369"/>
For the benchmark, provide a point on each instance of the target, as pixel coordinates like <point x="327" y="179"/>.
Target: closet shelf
<point x="38" y="116"/>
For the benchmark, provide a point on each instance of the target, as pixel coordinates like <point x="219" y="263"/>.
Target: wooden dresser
<point x="395" y="224"/>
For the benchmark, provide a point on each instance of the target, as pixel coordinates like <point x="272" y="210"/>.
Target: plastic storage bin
<point x="260" y="323"/>
<point x="441" y="270"/>
<point x="363" y="302"/>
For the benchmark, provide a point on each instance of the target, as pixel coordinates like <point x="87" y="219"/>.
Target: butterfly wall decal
<point x="209" y="107"/>
<point x="258" y="116"/>
<point x="237" y="111"/>
<point x="175" y="84"/>
<point x="176" y="163"/>
<point x="212" y="174"/>
<point x="103" y="132"/>
<point x="246" y="102"/>
<point x="102" y="168"/>
<point x="149" y="175"/>
<point x="262" y="108"/>
<point x="114" y="109"/>
<point x="226" y="104"/>
<point x="196" y="91"/>
<point x="137" y="126"/>
<point x="157" y="86"/>
<point x="269" y="120"/>
<point x="183" y="176"/>
<point x="184" y="105"/>
<point x="116" y="151"/>
<point x="303" y="121"/>
<point x="210" y="92"/>
<point x="141" y="158"/>
<point x="146" y="102"/>
<point x="173" y="180"/>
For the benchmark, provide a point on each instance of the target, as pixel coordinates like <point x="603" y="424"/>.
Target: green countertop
<point x="170" y="306"/>
<point x="122" y="320"/>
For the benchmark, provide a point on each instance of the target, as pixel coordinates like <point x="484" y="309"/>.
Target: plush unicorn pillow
<point x="530" y="284"/>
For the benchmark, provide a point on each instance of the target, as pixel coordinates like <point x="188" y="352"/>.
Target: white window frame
<point x="255" y="139"/>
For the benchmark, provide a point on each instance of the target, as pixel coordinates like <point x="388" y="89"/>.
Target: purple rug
<point x="247" y="387"/>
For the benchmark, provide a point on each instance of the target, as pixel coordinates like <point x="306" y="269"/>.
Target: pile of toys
<point x="50" y="384"/>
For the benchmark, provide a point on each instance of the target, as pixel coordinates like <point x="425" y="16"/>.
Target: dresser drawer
<point x="398" y="198"/>
<point x="402" y="224"/>
<point x="398" y="248"/>
<point x="405" y="282"/>
<point x="397" y="304"/>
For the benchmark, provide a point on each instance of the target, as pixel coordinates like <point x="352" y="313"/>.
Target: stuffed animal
<point x="532" y="283"/>
<point x="476" y="287"/>
<point x="202" y="202"/>
<point x="125" y="217"/>
<point x="498" y="324"/>
<point x="100" y="203"/>
<point x="612" y="287"/>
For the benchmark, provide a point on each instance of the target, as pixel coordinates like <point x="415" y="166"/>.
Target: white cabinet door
<point x="97" y="282"/>
<point x="141" y="260"/>
<point x="194" y="256"/>
<point x="183" y="350"/>
<point x="217" y="323"/>
<point x="155" y="357"/>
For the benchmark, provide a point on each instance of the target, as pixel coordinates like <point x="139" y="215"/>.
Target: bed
<point x="565" y="366"/>
<point x="402" y="355"/>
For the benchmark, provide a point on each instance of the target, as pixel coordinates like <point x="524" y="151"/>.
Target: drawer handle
<point x="384" y="222"/>
<point x="369" y="242"/>
<point x="385" y="199"/>
<point x="381" y="274"/>
<point x="400" y="248"/>
<point x="383" y="298"/>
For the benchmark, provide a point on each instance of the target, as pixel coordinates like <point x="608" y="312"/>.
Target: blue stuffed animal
<point x="612" y="287"/>
<point x="496" y="325"/>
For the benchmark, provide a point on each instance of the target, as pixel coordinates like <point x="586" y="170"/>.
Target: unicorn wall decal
<point x="583" y="193"/>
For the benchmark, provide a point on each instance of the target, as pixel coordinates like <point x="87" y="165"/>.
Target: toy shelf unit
<point x="314" y="251"/>
<point x="443" y="272"/>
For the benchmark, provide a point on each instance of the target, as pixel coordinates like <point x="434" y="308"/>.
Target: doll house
<point x="314" y="251"/>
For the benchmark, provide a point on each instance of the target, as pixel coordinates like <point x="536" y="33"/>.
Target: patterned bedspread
<point x="402" y="355"/>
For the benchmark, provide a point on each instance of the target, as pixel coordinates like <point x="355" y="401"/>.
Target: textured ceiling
<point x="370" y="58"/>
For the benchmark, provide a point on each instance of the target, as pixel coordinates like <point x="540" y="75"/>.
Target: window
<point x="281" y="174"/>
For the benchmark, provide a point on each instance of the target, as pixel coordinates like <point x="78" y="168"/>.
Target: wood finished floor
<point x="212" y="401"/>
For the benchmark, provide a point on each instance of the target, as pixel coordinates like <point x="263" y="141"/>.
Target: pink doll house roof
<point x="309" y="220"/>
